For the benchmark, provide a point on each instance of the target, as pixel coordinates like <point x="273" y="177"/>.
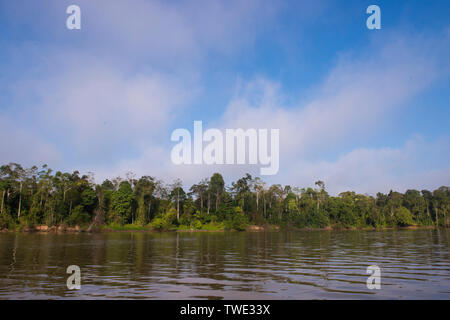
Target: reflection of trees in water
<point x="243" y="261"/>
<point x="13" y="259"/>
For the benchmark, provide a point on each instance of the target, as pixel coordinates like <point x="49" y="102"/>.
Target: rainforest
<point x="43" y="199"/>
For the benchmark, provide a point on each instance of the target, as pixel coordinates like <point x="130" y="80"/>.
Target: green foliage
<point x="238" y="222"/>
<point x="88" y="199"/>
<point x="185" y="219"/>
<point x="78" y="216"/>
<point x="165" y="221"/>
<point x="6" y="222"/>
<point x="33" y="196"/>
<point x="320" y="219"/>
<point x="157" y="224"/>
<point x="122" y="202"/>
<point x="197" y="224"/>
<point x="404" y="217"/>
<point x="170" y="218"/>
<point x="126" y="227"/>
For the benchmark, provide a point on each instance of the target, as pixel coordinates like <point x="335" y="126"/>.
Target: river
<point x="414" y="264"/>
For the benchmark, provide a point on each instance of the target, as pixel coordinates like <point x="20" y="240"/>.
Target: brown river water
<point x="414" y="264"/>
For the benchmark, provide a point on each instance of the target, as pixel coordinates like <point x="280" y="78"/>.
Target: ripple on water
<point x="298" y="265"/>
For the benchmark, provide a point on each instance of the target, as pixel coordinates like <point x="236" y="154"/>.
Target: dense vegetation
<point x="33" y="196"/>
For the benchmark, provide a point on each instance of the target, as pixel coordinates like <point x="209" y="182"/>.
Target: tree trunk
<point x="445" y="219"/>
<point x="3" y="197"/>
<point x="64" y="193"/>
<point x="264" y="200"/>
<point x="437" y="217"/>
<point x="178" y="205"/>
<point x="209" y="202"/>
<point x="217" y="200"/>
<point x="20" y="200"/>
<point x="257" y="201"/>
<point x="149" y="210"/>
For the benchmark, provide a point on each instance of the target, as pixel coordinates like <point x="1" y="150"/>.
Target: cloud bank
<point x="107" y="100"/>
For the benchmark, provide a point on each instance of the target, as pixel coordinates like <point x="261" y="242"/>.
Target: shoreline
<point x="251" y="228"/>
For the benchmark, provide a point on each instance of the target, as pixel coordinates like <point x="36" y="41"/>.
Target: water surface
<point x="415" y="264"/>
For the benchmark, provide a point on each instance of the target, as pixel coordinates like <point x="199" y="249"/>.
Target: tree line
<point x="36" y="196"/>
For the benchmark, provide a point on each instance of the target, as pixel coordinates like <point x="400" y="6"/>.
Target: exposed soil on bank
<point x="250" y="228"/>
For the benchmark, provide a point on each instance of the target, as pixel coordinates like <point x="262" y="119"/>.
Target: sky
<point x="362" y="110"/>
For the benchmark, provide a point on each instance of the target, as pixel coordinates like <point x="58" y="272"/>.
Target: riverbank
<point x="211" y="227"/>
<point x="205" y="228"/>
<point x="340" y="228"/>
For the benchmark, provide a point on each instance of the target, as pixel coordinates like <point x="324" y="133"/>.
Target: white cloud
<point x="85" y="101"/>
<point x="21" y="145"/>
<point x="98" y="110"/>
<point x="370" y="171"/>
<point x="353" y="100"/>
<point x="169" y="33"/>
<point x="110" y="91"/>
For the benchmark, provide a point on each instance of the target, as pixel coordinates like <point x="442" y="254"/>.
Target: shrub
<point x="78" y="216"/>
<point x="6" y="222"/>
<point x="157" y="224"/>
<point x="240" y="222"/>
<point x="320" y="219"/>
<point x="404" y="217"/>
<point x="170" y="218"/>
<point x="198" y="224"/>
<point x="185" y="219"/>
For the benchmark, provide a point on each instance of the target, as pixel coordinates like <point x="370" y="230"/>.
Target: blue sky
<point x="366" y="110"/>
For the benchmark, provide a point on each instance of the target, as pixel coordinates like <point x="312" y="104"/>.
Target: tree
<point x="258" y="187"/>
<point x="403" y="217"/>
<point x="241" y="188"/>
<point x="441" y="197"/>
<point x="320" y="194"/>
<point x="122" y="203"/>
<point x="217" y="187"/>
<point x="144" y="189"/>
<point x="200" y="190"/>
<point x="178" y="195"/>
<point x="394" y="201"/>
<point x="277" y="195"/>
<point x="416" y="204"/>
<point x="30" y="196"/>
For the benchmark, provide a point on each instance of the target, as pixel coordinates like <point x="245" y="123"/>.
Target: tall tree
<point x="217" y="187"/>
<point x="178" y="195"/>
<point x="122" y="202"/>
<point x="145" y="187"/>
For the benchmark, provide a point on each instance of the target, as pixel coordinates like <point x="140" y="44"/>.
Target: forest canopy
<point x="40" y="196"/>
